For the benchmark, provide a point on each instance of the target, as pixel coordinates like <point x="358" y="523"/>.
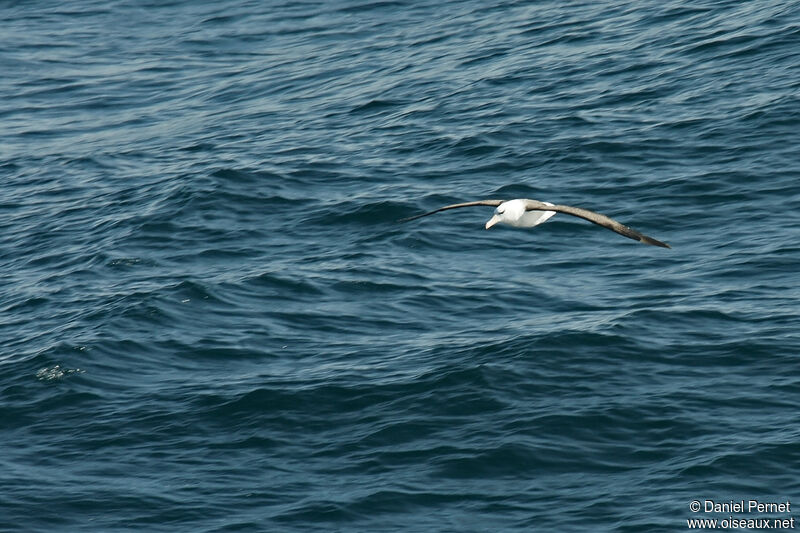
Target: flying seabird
<point x="524" y="213"/>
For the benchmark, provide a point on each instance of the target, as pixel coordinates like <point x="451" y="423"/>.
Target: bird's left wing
<point x="597" y="218"/>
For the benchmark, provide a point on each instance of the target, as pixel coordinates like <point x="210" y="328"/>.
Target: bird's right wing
<point x="491" y="203"/>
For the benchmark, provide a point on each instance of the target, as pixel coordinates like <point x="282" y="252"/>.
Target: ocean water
<point x="212" y="320"/>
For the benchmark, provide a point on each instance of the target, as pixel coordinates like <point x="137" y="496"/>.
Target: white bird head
<point x="509" y="212"/>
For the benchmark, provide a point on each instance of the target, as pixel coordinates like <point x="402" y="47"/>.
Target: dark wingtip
<point x="407" y="219"/>
<point x="654" y="242"/>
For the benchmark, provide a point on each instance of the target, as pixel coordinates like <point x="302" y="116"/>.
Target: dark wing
<point x="597" y="218"/>
<point x="491" y="203"/>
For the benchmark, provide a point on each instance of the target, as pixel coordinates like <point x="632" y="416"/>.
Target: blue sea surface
<point x="212" y="320"/>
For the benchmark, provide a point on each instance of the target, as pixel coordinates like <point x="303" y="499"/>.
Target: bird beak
<point x="492" y="221"/>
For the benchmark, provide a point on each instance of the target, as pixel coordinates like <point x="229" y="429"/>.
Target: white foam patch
<point x="56" y="372"/>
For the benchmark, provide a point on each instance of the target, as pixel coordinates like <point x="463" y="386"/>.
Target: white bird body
<point x="515" y="213"/>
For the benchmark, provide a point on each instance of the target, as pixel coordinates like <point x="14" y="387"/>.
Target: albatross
<point x="524" y="213"/>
